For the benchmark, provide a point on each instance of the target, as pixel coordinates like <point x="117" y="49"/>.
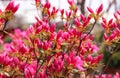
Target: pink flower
<point x="38" y="29"/>
<point x="104" y="25"/>
<point x="22" y="66"/>
<point x="57" y="64"/>
<point x="42" y="74"/>
<point x="47" y="45"/>
<point x="84" y="23"/>
<point x="90" y="10"/>
<point x="12" y="7"/>
<point x="110" y="22"/>
<point x="54" y="11"/>
<point x="7" y="48"/>
<point x="117" y="75"/>
<point x="104" y="20"/>
<point x="60" y="40"/>
<point x="89" y="58"/>
<point x="71" y="2"/>
<point x="113" y="35"/>
<point x="62" y="12"/>
<point x="39" y="43"/>
<point x="115" y="15"/>
<point x="82" y="17"/>
<point x="94" y="60"/>
<point x="109" y="76"/>
<point x="38" y="20"/>
<point x="53" y="27"/>
<point x="118" y="12"/>
<point x="30" y="71"/>
<point x="1" y="58"/>
<point x="37" y="2"/>
<point x="29" y="30"/>
<point x="94" y="48"/>
<point x="91" y="47"/>
<point x="13" y="49"/>
<point x="76" y="61"/>
<point x="47" y="5"/>
<point x="52" y="36"/>
<point x="99" y="9"/>
<point x="23" y="49"/>
<point x="99" y="57"/>
<point x="68" y="14"/>
<point x="117" y="31"/>
<point x="65" y="36"/>
<point x="77" y="22"/>
<point x="7" y="60"/>
<point x="103" y="76"/>
<point x="59" y="34"/>
<point x="2" y="75"/>
<point x="16" y="61"/>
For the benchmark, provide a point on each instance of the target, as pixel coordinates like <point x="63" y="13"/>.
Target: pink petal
<point x="99" y="9"/>
<point x="90" y="10"/>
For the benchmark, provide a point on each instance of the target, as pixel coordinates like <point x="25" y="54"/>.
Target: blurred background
<point x="27" y="10"/>
<point x="25" y="16"/>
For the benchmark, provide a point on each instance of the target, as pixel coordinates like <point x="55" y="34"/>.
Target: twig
<point x="38" y="60"/>
<point x="32" y="41"/>
<point x="112" y="53"/>
<point x="38" y="67"/>
<point x="5" y="24"/>
<point x="85" y="36"/>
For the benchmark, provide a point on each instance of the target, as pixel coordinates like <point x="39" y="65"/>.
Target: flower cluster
<point x="112" y="30"/>
<point x="42" y="51"/>
<point x="8" y="13"/>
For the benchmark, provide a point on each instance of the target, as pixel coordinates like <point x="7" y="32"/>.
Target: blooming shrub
<point x="41" y="51"/>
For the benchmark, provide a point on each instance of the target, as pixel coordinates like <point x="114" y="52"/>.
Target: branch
<point x="86" y="36"/>
<point x="82" y="5"/>
<point x="5" y="24"/>
<point x="112" y="53"/>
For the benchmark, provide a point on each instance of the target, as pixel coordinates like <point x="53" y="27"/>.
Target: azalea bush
<point x="41" y="51"/>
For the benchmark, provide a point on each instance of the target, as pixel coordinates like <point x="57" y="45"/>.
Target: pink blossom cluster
<point x="42" y="51"/>
<point x="112" y="30"/>
<point x="8" y="13"/>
